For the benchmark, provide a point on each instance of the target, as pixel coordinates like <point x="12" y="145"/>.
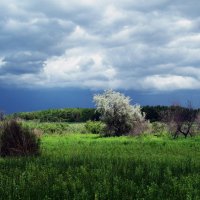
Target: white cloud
<point x="184" y="23"/>
<point x="193" y="38"/>
<point x="170" y="82"/>
<point x="112" y="14"/>
<point x="76" y="68"/>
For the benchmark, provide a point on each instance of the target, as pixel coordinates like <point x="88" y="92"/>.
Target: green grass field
<point x="86" y="166"/>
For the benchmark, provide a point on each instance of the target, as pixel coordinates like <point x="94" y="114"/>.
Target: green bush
<point x="16" y="140"/>
<point x="56" y="127"/>
<point x="159" y="129"/>
<point x="95" y="127"/>
<point x="48" y="127"/>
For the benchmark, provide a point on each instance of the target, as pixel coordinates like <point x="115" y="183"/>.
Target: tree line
<point x="152" y="113"/>
<point x="59" y="115"/>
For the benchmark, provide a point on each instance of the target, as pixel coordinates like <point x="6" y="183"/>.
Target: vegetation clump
<point x="17" y="140"/>
<point x="159" y="129"/>
<point x="95" y="127"/>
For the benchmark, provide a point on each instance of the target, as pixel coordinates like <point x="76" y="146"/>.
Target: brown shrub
<point x="16" y="140"/>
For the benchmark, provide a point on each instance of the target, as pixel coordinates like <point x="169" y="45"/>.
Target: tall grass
<point x="86" y="166"/>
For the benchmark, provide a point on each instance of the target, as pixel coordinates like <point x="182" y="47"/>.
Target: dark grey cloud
<point x="23" y="62"/>
<point x="98" y="44"/>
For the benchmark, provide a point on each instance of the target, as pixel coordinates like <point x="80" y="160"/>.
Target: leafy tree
<point x="117" y="113"/>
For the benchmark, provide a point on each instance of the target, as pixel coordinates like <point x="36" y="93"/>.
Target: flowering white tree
<point x="116" y="111"/>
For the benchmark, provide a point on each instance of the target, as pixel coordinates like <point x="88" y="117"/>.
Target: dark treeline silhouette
<point x="153" y="114"/>
<point x="157" y="113"/>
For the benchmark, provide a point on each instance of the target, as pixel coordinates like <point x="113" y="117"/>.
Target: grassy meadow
<point x="76" y="165"/>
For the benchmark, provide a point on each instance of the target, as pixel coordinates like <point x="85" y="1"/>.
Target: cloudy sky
<point x="141" y="47"/>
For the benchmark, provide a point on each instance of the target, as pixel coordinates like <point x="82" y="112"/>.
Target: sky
<point x="60" y="53"/>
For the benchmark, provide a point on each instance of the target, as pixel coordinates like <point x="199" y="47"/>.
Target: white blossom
<point x="117" y="112"/>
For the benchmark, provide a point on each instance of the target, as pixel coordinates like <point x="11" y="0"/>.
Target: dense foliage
<point x="117" y="113"/>
<point x="59" y="115"/>
<point x="81" y="166"/>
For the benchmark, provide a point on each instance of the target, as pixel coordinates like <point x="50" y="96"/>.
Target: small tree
<point x="181" y="120"/>
<point x="116" y="112"/>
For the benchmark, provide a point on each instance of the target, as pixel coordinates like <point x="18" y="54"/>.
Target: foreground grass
<point x="83" y="166"/>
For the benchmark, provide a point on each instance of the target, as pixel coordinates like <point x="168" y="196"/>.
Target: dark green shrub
<point x="95" y="127"/>
<point x="16" y="140"/>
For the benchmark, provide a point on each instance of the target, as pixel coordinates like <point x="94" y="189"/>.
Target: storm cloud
<point x="124" y="44"/>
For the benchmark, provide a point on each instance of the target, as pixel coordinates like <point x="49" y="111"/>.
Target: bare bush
<point x="197" y="123"/>
<point x="140" y="126"/>
<point x="180" y="120"/>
